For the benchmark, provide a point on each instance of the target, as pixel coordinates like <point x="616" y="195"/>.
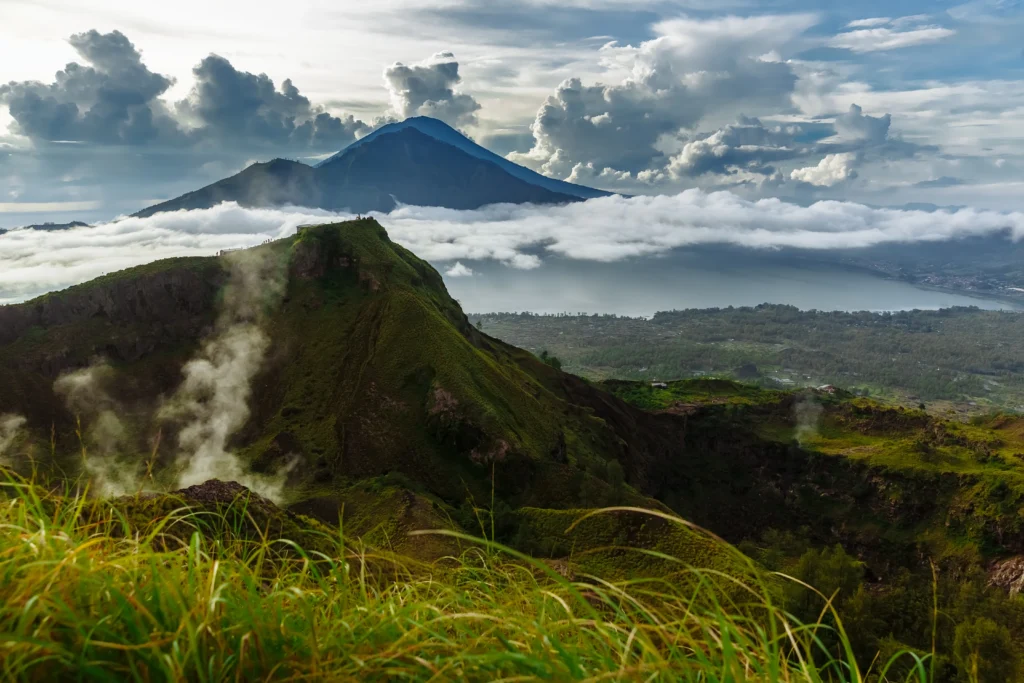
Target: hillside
<point x="332" y="373"/>
<point x="420" y="161"/>
<point x="368" y="368"/>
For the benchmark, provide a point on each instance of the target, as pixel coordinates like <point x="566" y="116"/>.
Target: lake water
<point x="695" y="279"/>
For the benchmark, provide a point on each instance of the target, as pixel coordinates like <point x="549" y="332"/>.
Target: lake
<point x="692" y="279"/>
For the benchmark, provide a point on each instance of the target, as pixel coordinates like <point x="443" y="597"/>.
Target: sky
<point x="109" y="106"/>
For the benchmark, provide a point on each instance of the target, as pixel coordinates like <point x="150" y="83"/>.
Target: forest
<point x="962" y="359"/>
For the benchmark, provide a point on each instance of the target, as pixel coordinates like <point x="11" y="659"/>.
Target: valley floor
<point x="954" y="359"/>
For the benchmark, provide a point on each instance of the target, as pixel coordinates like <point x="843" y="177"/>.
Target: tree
<point x="831" y="571"/>
<point x="983" y="651"/>
<point x="550" y="360"/>
<point x="616" y="477"/>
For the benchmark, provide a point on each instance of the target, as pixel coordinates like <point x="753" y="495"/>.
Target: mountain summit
<point x="420" y="161"/>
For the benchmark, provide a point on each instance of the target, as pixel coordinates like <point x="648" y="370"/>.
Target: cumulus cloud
<point x="856" y="125"/>
<point x="238" y="107"/>
<point x="428" y="89"/>
<point x="111" y="99"/>
<point x="746" y="144"/>
<point x="832" y="170"/>
<point x="130" y="145"/>
<point x="522" y="236"/>
<point x="693" y="68"/>
<point x="459" y="270"/>
<point x="114" y="99"/>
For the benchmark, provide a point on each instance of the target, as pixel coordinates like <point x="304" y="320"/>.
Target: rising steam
<point x="103" y="435"/>
<point x="10" y="427"/>
<point x="213" y="401"/>
<point x="807" y="414"/>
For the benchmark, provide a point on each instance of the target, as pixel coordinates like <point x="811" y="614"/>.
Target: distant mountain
<point x="442" y="132"/>
<point x="50" y="226"/>
<point x="420" y="161"/>
<point x="57" y="226"/>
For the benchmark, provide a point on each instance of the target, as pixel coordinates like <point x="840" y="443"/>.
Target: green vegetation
<point x="90" y="594"/>
<point x="387" y="413"/>
<point x="948" y="358"/>
<point x="687" y="394"/>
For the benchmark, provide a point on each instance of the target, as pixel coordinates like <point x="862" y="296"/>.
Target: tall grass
<point x="86" y="594"/>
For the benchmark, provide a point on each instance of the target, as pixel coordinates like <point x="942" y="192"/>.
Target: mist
<point x="213" y="401"/>
<point x="807" y="415"/>
<point x="602" y="230"/>
<point x="111" y="470"/>
<point x="10" y="427"/>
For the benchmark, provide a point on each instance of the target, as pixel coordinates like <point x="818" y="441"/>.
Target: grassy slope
<point x="378" y="371"/>
<point x="93" y="593"/>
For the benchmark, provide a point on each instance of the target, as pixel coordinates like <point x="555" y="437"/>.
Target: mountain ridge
<point x="397" y="164"/>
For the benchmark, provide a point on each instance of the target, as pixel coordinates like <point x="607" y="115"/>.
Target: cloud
<point x="238" y="107"/>
<point x="459" y="270"/>
<point x="879" y="39"/>
<point x="856" y="125"/>
<point x="832" y="170"/>
<point x="102" y="130"/>
<point x="869" y="23"/>
<point x="691" y="69"/>
<point x="521" y="236"/>
<point x="428" y="89"/>
<point x="29" y="266"/>
<point x="944" y="181"/>
<point x="615" y="228"/>
<point x="747" y="145"/>
<point x="112" y="99"/>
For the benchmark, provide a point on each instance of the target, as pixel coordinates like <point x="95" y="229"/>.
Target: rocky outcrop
<point x="1008" y="574"/>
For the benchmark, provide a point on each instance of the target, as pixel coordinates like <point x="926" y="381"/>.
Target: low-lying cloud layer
<point x="521" y="236"/>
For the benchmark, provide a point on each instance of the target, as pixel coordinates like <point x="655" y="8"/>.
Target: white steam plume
<point x="110" y="471"/>
<point x="606" y="229"/>
<point x="10" y="427"/>
<point x="807" y="413"/>
<point x="213" y="400"/>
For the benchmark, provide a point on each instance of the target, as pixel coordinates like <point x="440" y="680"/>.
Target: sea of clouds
<point x="604" y="230"/>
